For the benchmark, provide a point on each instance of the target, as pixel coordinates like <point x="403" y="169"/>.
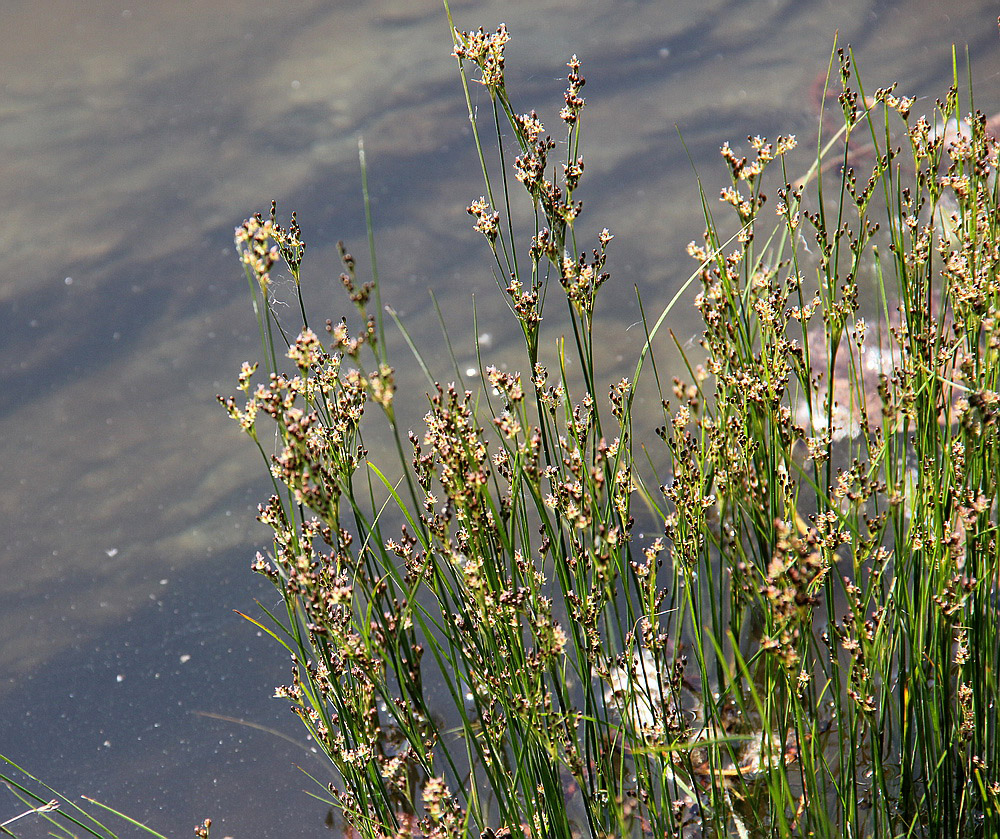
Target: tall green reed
<point x="481" y="647"/>
<point x="63" y="816"/>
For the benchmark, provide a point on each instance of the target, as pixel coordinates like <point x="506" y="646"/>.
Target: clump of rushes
<point x="808" y="649"/>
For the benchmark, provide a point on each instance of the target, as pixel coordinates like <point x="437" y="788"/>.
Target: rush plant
<point x="482" y="644"/>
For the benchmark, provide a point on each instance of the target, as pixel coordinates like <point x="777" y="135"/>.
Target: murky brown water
<point x="134" y="138"/>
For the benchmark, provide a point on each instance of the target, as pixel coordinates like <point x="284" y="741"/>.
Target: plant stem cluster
<point x="482" y="644"/>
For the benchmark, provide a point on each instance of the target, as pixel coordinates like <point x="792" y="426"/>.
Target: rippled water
<point x="134" y="138"/>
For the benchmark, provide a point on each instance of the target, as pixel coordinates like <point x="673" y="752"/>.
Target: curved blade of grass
<point x="263" y="628"/>
<point x="128" y="819"/>
<point x="64" y="802"/>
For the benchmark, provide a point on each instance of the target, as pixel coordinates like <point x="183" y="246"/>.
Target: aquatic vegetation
<point x="482" y="642"/>
<point x="64" y="817"/>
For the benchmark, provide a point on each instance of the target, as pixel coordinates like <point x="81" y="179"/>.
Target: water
<point x="134" y="139"/>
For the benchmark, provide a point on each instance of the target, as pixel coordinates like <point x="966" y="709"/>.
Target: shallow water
<point x="134" y="140"/>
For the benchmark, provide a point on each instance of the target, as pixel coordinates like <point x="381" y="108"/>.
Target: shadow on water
<point x="146" y="715"/>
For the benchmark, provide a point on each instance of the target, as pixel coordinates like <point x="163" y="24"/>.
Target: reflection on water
<point x="135" y="138"/>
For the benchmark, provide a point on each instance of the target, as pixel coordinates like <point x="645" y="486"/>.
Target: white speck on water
<point x="112" y="552"/>
<point x="120" y="677"/>
<point x="185" y="658"/>
<point x="68" y="281"/>
<point x="470" y="371"/>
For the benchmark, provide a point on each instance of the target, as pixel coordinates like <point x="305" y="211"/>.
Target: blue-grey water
<point x="133" y="138"/>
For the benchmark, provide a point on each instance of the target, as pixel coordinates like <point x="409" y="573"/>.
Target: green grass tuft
<point x="482" y="644"/>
